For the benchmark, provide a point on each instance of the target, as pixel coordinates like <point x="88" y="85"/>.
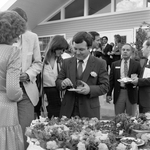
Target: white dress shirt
<point x="50" y="75"/>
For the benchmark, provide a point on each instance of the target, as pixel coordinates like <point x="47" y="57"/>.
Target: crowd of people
<point x="71" y="77"/>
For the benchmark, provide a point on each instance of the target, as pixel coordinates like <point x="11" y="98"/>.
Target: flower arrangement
<point x="67" y="133"/>
<point x="79" y="134"/>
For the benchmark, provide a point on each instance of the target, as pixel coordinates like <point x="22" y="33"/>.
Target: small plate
<point x="139" y="142"/>
<point x="125" y="80"/>
<point x="141" y="131"/>
<point x="74" y="90"/>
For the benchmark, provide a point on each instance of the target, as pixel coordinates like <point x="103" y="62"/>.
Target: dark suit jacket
<point x="108" y="48"/>
<point x="89" y="105"/>
<point x="134" y="68"/>
<point x="144" y="88"/>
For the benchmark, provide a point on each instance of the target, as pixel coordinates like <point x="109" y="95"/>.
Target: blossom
<point x="145" y="137"/>
<point x="121" y="147"/>
<point x="118" y="124"/>
<point x="102" y="146"/>
<point x="52" y="145"/>
<point x="93" y="74"/>
<point x="134" y="146"/>
<point x="81" y="146"/>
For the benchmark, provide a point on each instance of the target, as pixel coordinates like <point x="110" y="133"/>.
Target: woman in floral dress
<point x="11" y="27"/>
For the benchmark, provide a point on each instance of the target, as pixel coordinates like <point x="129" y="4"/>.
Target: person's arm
<point x="13" y="90"/>
<point x="117" y="49"/>
<point x="143" y="82"/>
<point x="36" y="66"/>
<point x="111" y="80"/>
<point x="61" y="76"/>
<point x="102" y="86"/>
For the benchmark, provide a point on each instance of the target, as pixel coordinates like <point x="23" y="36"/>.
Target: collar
<point x="127" y="60"/>
<point x="85" y="60"/>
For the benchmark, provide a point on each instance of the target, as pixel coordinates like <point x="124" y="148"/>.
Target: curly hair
<point x="12" y="26"/>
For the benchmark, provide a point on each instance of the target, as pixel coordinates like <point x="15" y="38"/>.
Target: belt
<point x="121" y="87"/>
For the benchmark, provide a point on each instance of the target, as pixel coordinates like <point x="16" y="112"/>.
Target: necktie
<point x="125" y="68"/>
<point x="79" y="69"/>
<point x="59" y="62"/>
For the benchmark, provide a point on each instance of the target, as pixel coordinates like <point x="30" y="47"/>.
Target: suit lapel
<point x="24" y="51"/>
<point x="73" y="70"/>
<point x="88" y="69"/>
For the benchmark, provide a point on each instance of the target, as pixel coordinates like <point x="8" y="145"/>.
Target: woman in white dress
<point x="11" y="27"/>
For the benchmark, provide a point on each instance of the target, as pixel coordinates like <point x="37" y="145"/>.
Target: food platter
<point x="74" y="90"/>
<point x="129" y="140"/>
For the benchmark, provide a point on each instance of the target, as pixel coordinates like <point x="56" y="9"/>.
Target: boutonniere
<point x="93" y="74"/>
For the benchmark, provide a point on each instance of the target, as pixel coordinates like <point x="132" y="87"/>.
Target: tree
<point x="142" y="34"/>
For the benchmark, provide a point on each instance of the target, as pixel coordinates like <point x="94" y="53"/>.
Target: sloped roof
<point x="38" y="10"/>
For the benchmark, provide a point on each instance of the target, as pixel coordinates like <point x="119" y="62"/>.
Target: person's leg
<point x="120" y="104"/>
<point x="25" y="114"/>
<point x="143" y="109"/>
<point x="131" y="109"/>
<point x="54" y="102"/>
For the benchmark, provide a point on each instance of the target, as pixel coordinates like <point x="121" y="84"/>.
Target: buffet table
<point x="121" y="133"/>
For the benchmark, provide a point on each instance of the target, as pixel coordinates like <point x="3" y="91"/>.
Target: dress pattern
<point x="10" y="93"/>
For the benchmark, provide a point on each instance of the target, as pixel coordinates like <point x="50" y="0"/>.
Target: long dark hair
<point x="57" y="42"/>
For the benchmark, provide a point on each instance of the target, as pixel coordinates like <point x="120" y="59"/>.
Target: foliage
<point x="141" y="36"/>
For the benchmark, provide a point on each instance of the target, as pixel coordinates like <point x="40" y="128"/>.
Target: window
<point x="98" y="7"/>
<point x="44" y="40"/>
<point x="122" y="5"/>
<point x="75" y="9"/>
<point x="55" y="17"/>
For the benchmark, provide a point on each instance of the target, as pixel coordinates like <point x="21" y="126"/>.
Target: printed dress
<point x="11" y="137"/>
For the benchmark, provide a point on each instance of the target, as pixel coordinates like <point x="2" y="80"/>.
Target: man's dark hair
<point x="105" y="37"/>
<point x="21" y="12"/>
<point x="118" y="38"/>
<point x="83" y="36"/>
<point x="94" y="34"/>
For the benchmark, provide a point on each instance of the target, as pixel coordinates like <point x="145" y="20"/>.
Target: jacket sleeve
<point x="111" y="80"/>
<point x="13" y="90"/>
<point x="61" y="75"/>
<point x="103" y="81"/>
<point x="36" y="66"/>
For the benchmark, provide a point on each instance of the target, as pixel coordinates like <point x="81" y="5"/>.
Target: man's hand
<point x="108" y="99"/>
<point x="24" y="77"/>
<point x="66" y="82"/>
<point x="85" y="89"/>
<point x="135" y="81"/>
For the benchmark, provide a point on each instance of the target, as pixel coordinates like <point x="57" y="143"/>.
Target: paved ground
<point x="107" y="110"/>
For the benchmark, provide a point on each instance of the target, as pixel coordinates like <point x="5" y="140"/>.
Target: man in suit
<point x="31" y="67"/>
<point x="88" y="74"/>
<point x="106" y="49"/>
<point x="144" y="81"/>
<point x="96" y="49"/>
<point x="125" y="94"/>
